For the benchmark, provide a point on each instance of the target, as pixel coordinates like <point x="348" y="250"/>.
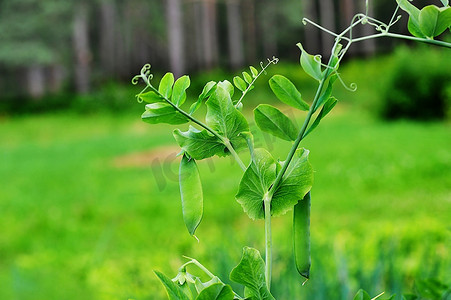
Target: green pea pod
<point x="191" y="192"/>
<point x="301" y="236"/>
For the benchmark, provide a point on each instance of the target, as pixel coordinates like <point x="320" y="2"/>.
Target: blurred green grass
<point x="88" y="210"/>
<point x="90" y="203"/>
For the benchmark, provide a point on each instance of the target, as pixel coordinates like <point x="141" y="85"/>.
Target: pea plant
<point x="269" y="187"/>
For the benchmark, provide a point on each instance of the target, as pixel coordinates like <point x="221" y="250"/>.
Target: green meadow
<point x="90" y="206"/>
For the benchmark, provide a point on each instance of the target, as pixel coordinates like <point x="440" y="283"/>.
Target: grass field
<point x="90" y="207"/>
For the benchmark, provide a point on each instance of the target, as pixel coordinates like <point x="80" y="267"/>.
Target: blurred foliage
<point x="418" y="84"/>
<point x="88" y="210"/>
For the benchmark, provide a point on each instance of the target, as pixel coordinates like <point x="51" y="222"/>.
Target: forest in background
<point x="49" y="46"/>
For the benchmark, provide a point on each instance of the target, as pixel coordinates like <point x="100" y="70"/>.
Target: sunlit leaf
<point x="199" y="144"/>
<point x="296" y="182"/>
<point x="216" y="291"/>
<point x="414" y="17"/>
<point x="163" y="113"/>
<point x="166" y="83"/>
<point x="209" y="88"/>
<point x="254" y="71"/>
<point x="179" y="90"/>
<point x="239" y="83"/>
<point x="247" y="77"/>
<point x="286" y="92"/>
<point x="150" y="97"/>
<point x="225" y="119"/>
<point x="250" y="272"/>
<point x="173" y="290"/>
<point x="273" y="121"/>
<point x="434" y="21"/>
<point x="310" y="64"/>
<point x="255" y="183"/>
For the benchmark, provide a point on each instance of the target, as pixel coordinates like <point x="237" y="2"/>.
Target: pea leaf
<point x="286" y="92"/>
<point x="330" y="103"/>
<point x="166" y="83"/>
<point x="362" y="295"/>
<point x="273" y="121"/>
<point x="310" y="64"/>
<point x="255" y="183"/>
<point x="296" y="182"/>
<point x="434" y="21"/>
<point x="414" y="17"/>
<point x="250" y="272"/>
<point x="216" y="291"/>
<point x="209" y="88"/>
<point x="239" y="83"/>
<point x="254" y="71"/>
<point x="162" y="113"/>
<point x="327" y="93"/>
<point x="224" y="118"/>
<point x="179" y="90"/>
<point x="191" y="192"/>
<point x="227" y="86"/>
<point x="199" y="144"/>
<point x="301" y="236"/>
<point x="247" y="77"/>
<point x="150" y="97"/>
<point x="173" y="290"/>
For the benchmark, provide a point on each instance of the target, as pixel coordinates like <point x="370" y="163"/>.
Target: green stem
<point x="268" y="240"/>
<point x="300" y="135"/>
<point x="223" y="140"/>
<point x="405" y="37"/>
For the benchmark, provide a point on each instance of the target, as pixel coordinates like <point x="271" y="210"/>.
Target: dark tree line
<point x="48" y="46"/>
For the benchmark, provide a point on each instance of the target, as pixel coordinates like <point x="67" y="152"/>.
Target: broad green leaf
<point x="163" y="113"/>
<point x="239" y="83"/>
<point x="296" y="182"/>
<point x="250" y="272"/>
<point x="173" y="290"/>
<point x="310" y="64"/>
<point x="191" y="192"/>
<point x="247" y="77"/>
<point x="327" y="93"/>
<point x="200" y="286"/>
<point x="330" y="103"/>
<point x="225" y="119"/>
<point x="286" y="92"/>
<point x="166" y="83"/>
<point x="273" y="121"/>
<point x="362" y="295"/>
<point x="434" y="21"/>
<point x="255" y="183"/>
<point x="209" y="88"/>
<point x="226" y="85"/>
<point x="254" y="71"/>
<point x="216" y="291"/>
<point x="179" y="90"/>
<point x="199" y="144"/>
<point x="301" y="235"/>
<point x="414" y="17"/>
<point x="150" y="97"/>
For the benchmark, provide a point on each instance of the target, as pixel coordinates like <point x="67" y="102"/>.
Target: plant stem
<point x="224" y="140"/>
<point x="405" y="37"/>
<point x="268" y="240"/>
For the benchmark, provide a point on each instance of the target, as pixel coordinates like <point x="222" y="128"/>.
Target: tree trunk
<point x="210" y="42"/>
<point x="108" y="37"/>
<point x="327" y="16"/>
<point x="175" y="37"/>
<point x="312" y="34"/>
<point x="250" y="31"/>
<point x="235" y="33"/>
<point x="36" y="81"/>
<point x="55" y="78"/>
<point x="81" y="49"/>
<point x="269" y="28"/>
